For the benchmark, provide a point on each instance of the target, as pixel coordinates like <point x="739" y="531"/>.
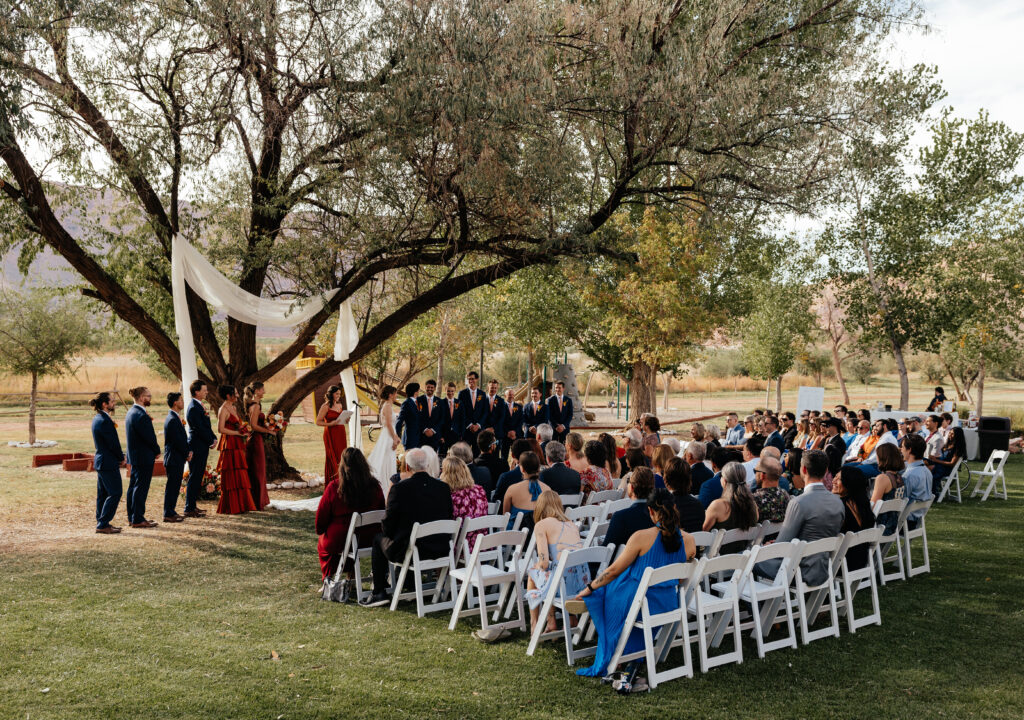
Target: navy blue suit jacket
<point x="558" y="417"/>
<point x="175" y="441"/>
<point x="140" y="436"/>
<point x="532" y="418"/>
<point x="775" y="440"/>
<point x="513" y="421"/>
<point x="626" y="522"/>
<point x="505" y="481"/>
<point x="495" y="417"/>
<point x="451" y="421"/>
<point x="108" y="446"/>
<point x="472" y="414"/>
<point x="433" y="420"/>
<point x="408" y="425"/>
<point x="200" y="433"/>
<point x="562" y="479"/>
<point x="699" y="474"/>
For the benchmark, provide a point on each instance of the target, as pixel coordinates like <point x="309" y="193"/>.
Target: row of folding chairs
<point x="991" y="480"/>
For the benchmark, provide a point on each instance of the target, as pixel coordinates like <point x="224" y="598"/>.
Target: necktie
<point x="451" y="407"/>
<point x="472" y="399"/>
<point x="430" y="404"/>
<point x="490" y="401"/>
<point x="559" y="403"/>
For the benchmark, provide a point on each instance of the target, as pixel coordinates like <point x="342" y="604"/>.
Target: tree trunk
<point x="529" y="365"/>
<point x="767" y="392"/>
<point x="440" y="367"/>
<point x="981" y="387"/>
<point x="641" y="387"/>
<point x="901" y="367"/>
<point x="278" y="468"/>
<point x="668" y="385"/>
<point x="837" y="365"/>
<point x="586" y="393"/>
<point x="32" y="409"/>
<point x="778" y="394"/>
<point x="960" y="394"/>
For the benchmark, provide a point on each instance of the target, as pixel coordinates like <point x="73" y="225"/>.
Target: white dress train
<point x="382" y="461"/>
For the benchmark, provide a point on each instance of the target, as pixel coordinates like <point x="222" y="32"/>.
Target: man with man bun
<point x="108" y="460"/>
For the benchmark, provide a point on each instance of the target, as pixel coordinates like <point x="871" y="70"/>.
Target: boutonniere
<point x="456" y="404"/>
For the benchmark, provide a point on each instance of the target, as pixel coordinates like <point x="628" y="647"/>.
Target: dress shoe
<point x="376" y="600"/>
<point x="144" y="524"/>
<point x="195" y="513"/>
<point x="108" y="530"/>
<point x="173" y="518"/>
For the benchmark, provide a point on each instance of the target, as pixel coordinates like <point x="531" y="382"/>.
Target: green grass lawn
<point x="182" y="622"/>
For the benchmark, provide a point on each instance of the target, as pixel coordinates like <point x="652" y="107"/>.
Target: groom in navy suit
<point x="451" y="419"/>
<point x="513" y="423"/>
<point x="474" y="409"/>
<point x="201" y="439"/>
<point x="535" y="413"/>
<point x="176" y="454"/>
<point x="143" y="450"/>
<point x="560" y="412"/>
<point x="408" y="425"/>
<point x="431" y="417"/>
<point x="108" y="460"/>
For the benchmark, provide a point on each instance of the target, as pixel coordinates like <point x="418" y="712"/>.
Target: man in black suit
<point x="471" y="402"/>
<point x="699" y="472"/>
<point x="513" y="429"/>
<point x="408" y="425"/>
<point x="835" y="446"/>
<point x="176" y="454"/>
<point x="201" y="439"/>
<point x="511" y="477"/>
<point x="451" y="420"/>
<point x="431" y="417"/>
<point x="558" y="476"/>
<point x="789" y="429"/>
<point x="417" y="499"/>
<point x="560" y="412"/>
<point x="774" y="438"/>
<point x="634" y="518"/>
<point x="495" y="413"/>
<point x="535" y="413"/>
<point x="489" y="458"/>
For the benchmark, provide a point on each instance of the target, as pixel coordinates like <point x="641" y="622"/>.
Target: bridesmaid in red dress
<point x="255" y="456"/>
<point x="235" y="493"/>
<point x="335" y="435"/>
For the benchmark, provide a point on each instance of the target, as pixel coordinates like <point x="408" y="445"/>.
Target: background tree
<point x="41" y="335"/>
<point x="831" y="321"/>
<point x="774" y="333"/>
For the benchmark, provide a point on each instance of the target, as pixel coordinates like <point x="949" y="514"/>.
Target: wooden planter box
<point x="158" y="469"/>
<point x="53" y="459"/>
<point x="78" y="464"/>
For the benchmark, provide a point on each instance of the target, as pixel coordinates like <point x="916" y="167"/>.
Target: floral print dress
<point x="470" y="502"/>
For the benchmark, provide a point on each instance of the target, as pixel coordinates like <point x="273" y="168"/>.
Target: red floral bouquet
<point x="277" y="422"/>
<point x="246" y="430"/>
<point x="210" y="487"/>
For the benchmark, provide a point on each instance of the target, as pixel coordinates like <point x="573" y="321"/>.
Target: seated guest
<point x="595" y="477"/>
<point x="851" y="485"/>
<point x="854" y="448"/>
<point x="699" y="472"/>
<point x="510" y="478"/>
<point x="521" y="498"/>
<point x="933" y="438"/>
<point x="634" y="440"/>
<point x="419" y="499"/>
<point x="851" y="432"/>
<point x="788" y="429"/>
<point x="711" y="490"/>
<point x="612" y="464"/>
<point x="433" y="461"/>
<point x="790" y="480"/>
<point x="662" y="454"/>
<point x="712" y="437"/>
<point x="677" y="479"/>
<point x="835" y="448"/>
<point x="751" y="455"/>
<point x="403" y="472"/>
<point x="634" y="518"/>
<point x="864" y="414"/>
<point x="816" y="435"/>
<point x="749" y="427"/>
<point x="490" y="456"/>
<point x="633" y="459"/>
<point x="917" y="479"/>
<point x="355" y="490"/>
<point x="574" y="456"/>
<point x="814" y="515"/>
<point x="558" y="476"/>
<point x="673" y="442"/>
<point x="554" y="533"/>
<point x="734" y="433"/>
<point x="649" y="445"/>
<point x="936" y="403"/>
<point x="947" y="423"/>
<point x="771" y="500"/>
<point x="953" y="452"/>
<point x="544" y="435"/>
<point x="888" y="484"/>
<point x="697" y="433"/>
<point x="803" y="431"/>
<point x="735" y="509"/>
<point x="774" y="438"/>
<point x="468" y="498"/>
<point x="650" y="425"/>
<point x="481" y="475"/>
<point x="609" y="597"/>
<point x="535" y="448"/>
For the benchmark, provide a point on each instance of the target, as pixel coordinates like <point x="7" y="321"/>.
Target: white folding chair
<point x="855" y="580"/>
<point x="596" y="535"/>
<point x="995" y="472"/>
<point x="418" y="566"/>
<point x="585" y="516"/>
<point x="768" y="599"/>
<point x="480" y="574"/>
<point x="574" y="500"/>
<point x="661" y="631"/>
<point x="750" y="536"/>
<point x="952" y="484"/>
<point x="613" y="506"/>
<point x="556" y="597"/>
<point x="717" y="613"/>
<point x="811" y="599"/>
<point x="893" y="541"/>
<point x="769" y="531"/>
<point x="486" y="523"/>
<point x="707" y="542"/>
<point x="353" y="552"/>
<point x="493" y="508"/>
<point x="596" y="498"/>
<point x="918" y="532"/>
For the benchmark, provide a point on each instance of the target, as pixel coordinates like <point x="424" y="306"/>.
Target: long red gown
<point x="256" y="460"/>
<point x="335" y="442"/>
<point x="235" y="491"/>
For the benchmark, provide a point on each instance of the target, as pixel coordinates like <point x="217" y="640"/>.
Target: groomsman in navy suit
<point x="496" y="411"/>
<point x="408" y="425"/>
<point x="534" y="413"/>
<point x="176" y="454"/>
<point x="431" y="417"/>
<point x="108" y="460"/>
<point x="513" y="423"/>
<point x="474" y="408"/>
<point x="143" y="450"/>
<point x="451" y="419"/>
<point x="201" y="439"/>
<point x="560" y="412"/>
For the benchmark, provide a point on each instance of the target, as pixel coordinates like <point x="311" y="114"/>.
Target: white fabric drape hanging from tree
<point x="190" y="268"/>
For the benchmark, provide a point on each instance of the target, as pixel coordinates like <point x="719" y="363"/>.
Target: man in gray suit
<point x="813" y="515"/>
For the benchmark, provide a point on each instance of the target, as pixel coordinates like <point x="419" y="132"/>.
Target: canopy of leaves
<point x="776" y="330"/>
<point x="41" y="333"/>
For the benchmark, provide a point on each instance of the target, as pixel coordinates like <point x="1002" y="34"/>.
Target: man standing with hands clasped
<point x="474" y="409"/>
<point x="143" y="450"/>
<point x="560" y="412"/>
<point x="176" y="454"/>
<point x="201" y="440"/>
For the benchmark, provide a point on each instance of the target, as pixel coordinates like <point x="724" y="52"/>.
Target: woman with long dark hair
<point x="335" y="434"/>
<point x="851" y="485"/>
<point x="235" y="491"/>
<point x="735" y="509"/>
<point x="953" y="452"/>
<point x="353" y="490"/>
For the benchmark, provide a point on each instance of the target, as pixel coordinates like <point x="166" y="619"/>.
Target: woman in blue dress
<point x="609" y="596"/>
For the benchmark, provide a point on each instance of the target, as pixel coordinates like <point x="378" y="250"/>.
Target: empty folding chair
<point x="485" y="523"/>
<point x="888" y="543"/>
<point x="952" y="484"/>
<point x="707" y="542"/>
<point x="596" y="535"/>
<point x="715" y="614"/>
<point x="493" y="508"/>
<point x="613" y="506"/>
<point x="585" y="516"/>
<point x="596" y="498"/>
<point x="918" y="532"/>
<point x="661" y="631"/>
<point x="994" y="472"/>
<point x="480" y="574"/>
<point x="814" y="599"/>
<point x="854" y="580"/>
<point x="417" y="565"/>
<point x="352" y="550"/>
<point x="574" y="500"/>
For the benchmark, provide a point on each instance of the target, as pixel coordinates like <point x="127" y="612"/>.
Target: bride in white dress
<point x="383" y="462"/>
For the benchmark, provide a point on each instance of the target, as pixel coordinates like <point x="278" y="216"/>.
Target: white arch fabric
<point x="188" y="266"/>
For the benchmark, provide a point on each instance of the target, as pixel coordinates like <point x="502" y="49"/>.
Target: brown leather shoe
<point x="108" y="530"/>
<point x="173" y="518"/>
<point x="144" y="524"/>
<point x="195" y="513"/>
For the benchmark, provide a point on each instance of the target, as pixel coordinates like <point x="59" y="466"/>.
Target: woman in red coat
<point x="355" y="490"/>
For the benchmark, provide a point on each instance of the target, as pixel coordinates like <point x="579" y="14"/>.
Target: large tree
<point x="320" y="145"/>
